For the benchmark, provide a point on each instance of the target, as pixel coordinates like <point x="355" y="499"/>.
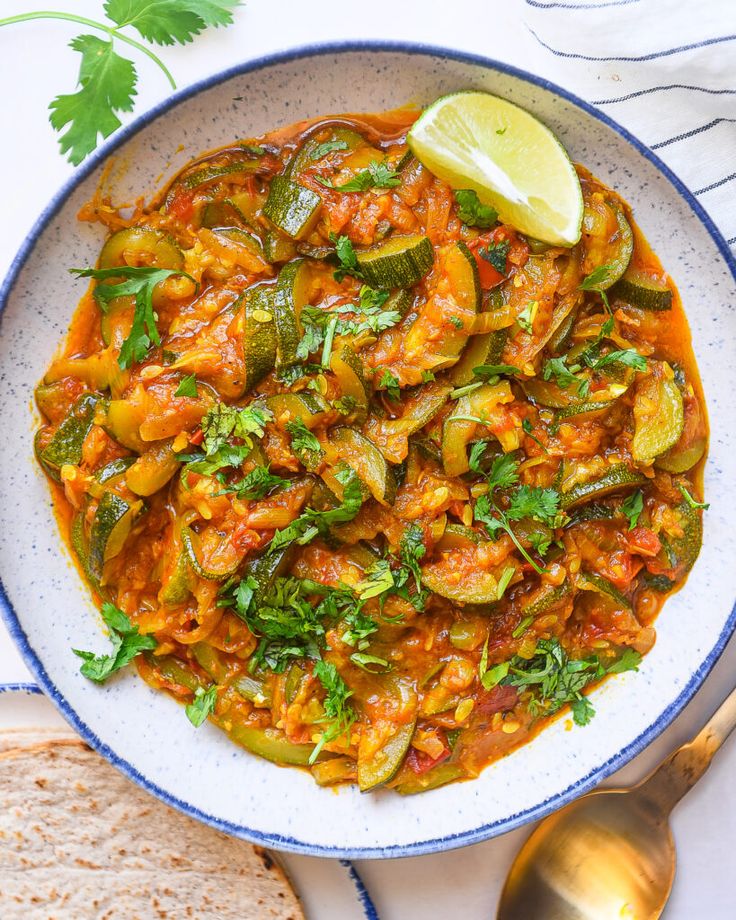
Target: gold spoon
<point x="610" y="855"/>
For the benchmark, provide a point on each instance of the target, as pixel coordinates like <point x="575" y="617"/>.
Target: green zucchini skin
<point x="616" y="479"/>
<point x="398" y="262"/>
<point x="113" y="512"/>
<point x="639" y="290"/>
<point x="65" y="447"/>
<point x="292" y="207"/>
<point x="259" y="334"/>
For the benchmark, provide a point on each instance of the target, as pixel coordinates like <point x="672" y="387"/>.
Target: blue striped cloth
<point x="665" y="69"/>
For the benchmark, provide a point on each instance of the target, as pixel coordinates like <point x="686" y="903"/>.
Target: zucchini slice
<point x="457" y="431"/>
<point x="611" y="249"/>
<point x="292" y="208"/>
<point x="65" y="447"/>
<point x="440" y="775"/>
<point x="277" y="247"/>
<point x="293" y="288"/>
<point x="385" y="763"/>
<point x="111" y="527"/>
<point x="193" y="550"/>
<point x="679" y="553"/>
<point x="213" y="173"/>
<point x="217" y="215"/>
<point x="477" y="587"/>
<point x="308" y="154"/>
<point x="615" y="479"/>
<point x="153" y="469"/>
<point x="543" y="599"/>
<point x="589" y="581"/>
<point x="581" y="408"/>
<point x="642" y="290"/>
<point x="362" y="455"/>
<point x="141" y="246"/>
<point x="659" y="416"/>
<point x="486" y="348"/>
<point x="307" y="407"/>
<point x="681" y="459"/>
<point x="176" y="586"/>
<point x="259" y="334"/>
<point x="398" y="262"/>
<point x="270" y="744"/>
<point x="458" y="536"/>
<point x="348" y="368"/>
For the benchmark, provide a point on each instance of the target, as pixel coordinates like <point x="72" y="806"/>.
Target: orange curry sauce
<point x="402" y="641"/>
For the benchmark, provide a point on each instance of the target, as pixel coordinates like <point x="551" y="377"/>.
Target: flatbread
<point x="78" y="841"/>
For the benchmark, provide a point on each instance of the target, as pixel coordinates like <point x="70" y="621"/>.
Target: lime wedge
<point x="511" y="160"/>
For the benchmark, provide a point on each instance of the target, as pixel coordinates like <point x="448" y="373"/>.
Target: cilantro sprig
<point x="542" y="505"/>
<point x="127" y="643"/>
<point x="138" y="282"/>
<point x="107" y="81"/>
<point x="202" y="705"/>
<point x="555" y="679"/>
<point x="339" y="714"/>
<point x="378" y="175"/>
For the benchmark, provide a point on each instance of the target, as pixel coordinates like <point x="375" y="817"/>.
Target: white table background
<point x="36" y="65"/>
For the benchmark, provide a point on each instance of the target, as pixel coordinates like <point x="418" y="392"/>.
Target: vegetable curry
<point x="360" y="474"/>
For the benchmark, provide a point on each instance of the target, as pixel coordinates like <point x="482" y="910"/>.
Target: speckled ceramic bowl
<point x="144" y="733"/>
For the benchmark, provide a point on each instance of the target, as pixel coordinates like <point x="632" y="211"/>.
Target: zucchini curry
<point x="366" y="477"/>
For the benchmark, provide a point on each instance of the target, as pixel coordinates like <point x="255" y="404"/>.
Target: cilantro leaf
<point x="140" y="284"/>
<point x="312" y="523"/>
<point x="471" y="211"/>
<point x="555" y="679"/>
<point x="187" y="386"/>
<point x="456" y="321"/>
<point x="202" y="705"/>
<point x="359" y="627"/>
<point x="106" y="86"/>
<point x="168" y="22"/>
<point x="390" y="384"/>
<point x="338" y="713"/>
<point x="596" y="278"/>
<point x="222" y="422"/>
<point x="346" y="254"/>
<point x="126" y="644"/>
<point x="564" y="377"/>
<point x="377" y="175"/>
<point x="378" y="579"/>
<point x="525" y="319"/>
<point x="532" y="501"/>
<point x="503" y="473"/>
<point x="304" y="444"/>
<point x="629" y="357"/>
<point x="256" y="484"/>
<point x="321" y="150"/>
<point x="496" y="252"/>
<point x="632" y="507"/>
<point x="366" y="661"/>
<point x="411" y="550"/>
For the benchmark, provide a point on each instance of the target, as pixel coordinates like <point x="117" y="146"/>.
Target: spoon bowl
<point x="610" y="855"/>
<point x="607" y="856"/>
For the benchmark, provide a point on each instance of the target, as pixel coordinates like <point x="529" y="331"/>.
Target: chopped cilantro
<point x="391" y="384"/>
<point x="187" y="386"/>
<point x="202" y="705"/>
<point x="126" y="644"/>
<point x="526" y="318"/>
<point x="472" y="211"/>
<point x="321" y="150"/>
<point x="304" y="444"/>
<point x="565" y="377"/>
<point x="338" y="712"/>
<point x="256" y="484"/>
<point x="456" y="322"/>
<point x="378" y="175"/>
<point x="633" y="507"/>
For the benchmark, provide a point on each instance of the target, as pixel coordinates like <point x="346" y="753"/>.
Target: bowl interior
<point x="145" y="732"/>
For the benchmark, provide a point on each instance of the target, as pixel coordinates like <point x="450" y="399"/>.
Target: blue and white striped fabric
<point x="665" y="69"/>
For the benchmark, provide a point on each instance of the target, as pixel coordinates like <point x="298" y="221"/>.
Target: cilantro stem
<point x="329" y="339"/>
<point x="93" y="24"/>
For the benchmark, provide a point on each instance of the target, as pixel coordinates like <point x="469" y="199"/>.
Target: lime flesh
<point x="510" y="159"/>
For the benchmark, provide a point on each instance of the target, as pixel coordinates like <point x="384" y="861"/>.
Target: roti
<point x="78" y="840"/>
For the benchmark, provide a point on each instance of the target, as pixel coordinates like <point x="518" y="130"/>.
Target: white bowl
<point x="143" y="732"/>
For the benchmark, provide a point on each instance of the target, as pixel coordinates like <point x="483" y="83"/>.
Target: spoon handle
<point x="679" y="772"/>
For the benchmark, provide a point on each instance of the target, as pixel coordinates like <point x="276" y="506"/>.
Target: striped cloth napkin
<point x="665" y="69"/>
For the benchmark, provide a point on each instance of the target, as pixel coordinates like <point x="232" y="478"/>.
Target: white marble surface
<point x="37" y="65"/>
